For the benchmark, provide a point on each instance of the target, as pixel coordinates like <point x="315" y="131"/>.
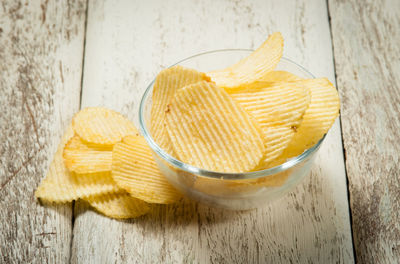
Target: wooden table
<point x="59" y="56"/>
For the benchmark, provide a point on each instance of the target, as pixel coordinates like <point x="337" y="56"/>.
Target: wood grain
<point x="368" y="76"/>
<point x="127" y="43"/>
<point x="41" y="49"/>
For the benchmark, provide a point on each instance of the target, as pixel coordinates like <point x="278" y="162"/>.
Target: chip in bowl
<point x="209" y="130"/>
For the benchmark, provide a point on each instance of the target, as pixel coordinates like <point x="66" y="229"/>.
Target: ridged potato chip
<point x="278" y="108"/>
<point x="253" y="67"/>
<point x="118" y="205"/>
<point x="211" y="131"/>
<point x="101" y="179"/>
<point x="61" y="185"/>
<point x="318" y="118"/>
<point x="82" y="158"/>
<point x="134" y="170"/>
<point x="102" y="126"/>
<point x="168" y="81"/>
<point x="279" y="76"/>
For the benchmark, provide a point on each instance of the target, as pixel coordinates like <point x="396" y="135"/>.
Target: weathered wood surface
<point x="41" y="49"/>
<point x="127" y="43"/>
<point x="366" y="38"/>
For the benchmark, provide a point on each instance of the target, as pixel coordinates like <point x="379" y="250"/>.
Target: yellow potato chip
<point x="101" y="179"/>
<point x="245" y="186"/>
<point x="102" y="126"/>
<point x="318" y="118"/>
<point x="61" y="185"/>
<point x="168" y="81"/>
<point x="76" y="143"/>
<point x="81" y="158"/>
<point x="135" y="170"/>
<point x="211" y="131"/>
<point x="275" y="162"/>
<point x="118" y="205"/>
<point x="275" y="180"/>
<point x="253" y="67"/>
<point x="278" y="108"/>
<point x="221" y="187"/>
<point x="279" y="76"/>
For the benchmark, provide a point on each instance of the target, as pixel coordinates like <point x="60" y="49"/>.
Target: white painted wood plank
<point x="41" y="51"/>
<point x="128" y="42"/>
<point x="367" y="54"/>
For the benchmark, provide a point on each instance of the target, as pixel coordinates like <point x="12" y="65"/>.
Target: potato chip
<point x="81" y="158"/>
<point x="102" y="126"/>
<point x="253" y="67"/>
<point x="76" y="143"/>
<point x="60" y="185"/>
<point x="118" y="205"/>
<point x="278" y="108"/>
<point x="255" y="185"/>
<point x="102" y="179"/>
<point x="135" y="170"/>
<point x="222" y="187"/>
<point x="211" y="131"/>
<point x="275" y="162"/>
<point x="168" y="81"/>
<point x="279" y="76"/>
<point x="318" y="118"/>
<point x="275" y="180"/>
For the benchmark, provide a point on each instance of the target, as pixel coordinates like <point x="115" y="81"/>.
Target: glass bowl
<point x="236" y="191"/>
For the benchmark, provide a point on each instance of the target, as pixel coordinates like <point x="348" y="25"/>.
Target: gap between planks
<point x="341" y="135"/>
<point x="80" y="105"/>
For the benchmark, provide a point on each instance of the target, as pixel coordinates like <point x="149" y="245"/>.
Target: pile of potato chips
<point x="103" y="160"/>
<point x="242" y="118"/>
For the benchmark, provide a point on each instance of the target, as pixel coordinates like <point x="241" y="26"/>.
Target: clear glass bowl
<point x="236" y="191"/>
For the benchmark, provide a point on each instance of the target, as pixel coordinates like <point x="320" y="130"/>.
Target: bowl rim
<point x="215" y="174"/>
